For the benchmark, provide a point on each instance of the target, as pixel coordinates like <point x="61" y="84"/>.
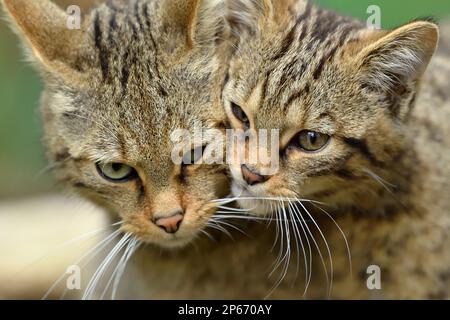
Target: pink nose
<point x="252" y="177"/>
<point x="170" y="224"/>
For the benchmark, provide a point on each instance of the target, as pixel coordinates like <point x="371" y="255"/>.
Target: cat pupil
<point x="116" y="166"/>
<point x="312" y="136"/>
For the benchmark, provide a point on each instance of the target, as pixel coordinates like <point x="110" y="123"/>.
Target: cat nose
<point x="252" y="177"/>
<point x="169" y="222"/>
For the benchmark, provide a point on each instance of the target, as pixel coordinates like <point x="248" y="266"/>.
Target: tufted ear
<point x="201" y="21"/>
<point x="393" y="61"/>
<point x="50" y="42"/>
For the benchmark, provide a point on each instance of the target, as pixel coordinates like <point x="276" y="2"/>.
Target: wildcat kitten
<point x="363" y="132"/>
<point x="115" y="91"/>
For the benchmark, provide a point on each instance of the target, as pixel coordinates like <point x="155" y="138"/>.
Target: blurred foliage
<point x="21" y="154"/>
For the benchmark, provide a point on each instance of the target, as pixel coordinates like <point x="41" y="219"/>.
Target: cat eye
<point x="240" y="115"/>
<point x="116" y="172"/>
<point x="310" y="141"/>
<point x="193" y="156"/>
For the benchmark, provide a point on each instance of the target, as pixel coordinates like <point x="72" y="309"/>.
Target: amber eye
<point x="116" y="172"/>
<point x="310" y="141"/>
<point x="240" y="114"/>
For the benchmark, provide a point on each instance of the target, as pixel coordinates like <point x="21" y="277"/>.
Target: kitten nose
<point x="252" y="177"/>
<point x="169" y="223"/>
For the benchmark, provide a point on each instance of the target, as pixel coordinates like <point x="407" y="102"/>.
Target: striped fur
<point x="136" y="71"/>
<point x="298" y="67"/>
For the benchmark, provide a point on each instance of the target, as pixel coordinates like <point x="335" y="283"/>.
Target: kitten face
<point x="337" y="93"/>
<point x="133" y="75"/>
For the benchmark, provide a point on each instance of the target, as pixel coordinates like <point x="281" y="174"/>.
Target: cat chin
<point x="254" y="207"/>
<point x="174" y="244"/>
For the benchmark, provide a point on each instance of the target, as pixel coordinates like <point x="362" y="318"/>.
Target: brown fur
<point x="135" y="72"/>
<point x="383" y="174"/>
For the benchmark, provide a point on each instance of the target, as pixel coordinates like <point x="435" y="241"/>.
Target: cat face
<point x="338" y="94"/>
<point x="116" y="91"/>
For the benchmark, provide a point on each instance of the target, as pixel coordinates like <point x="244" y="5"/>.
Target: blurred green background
<point x="22" y="157"/>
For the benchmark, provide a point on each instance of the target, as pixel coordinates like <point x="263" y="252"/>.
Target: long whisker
<point x="385" y="184"/>
<point x="223" y="215"/>
<point x="214" y="225"/>
<point x="298" y="238"/>
<point x="85" y="236"/>
<point x="226" y="200"/>
<point x="233" y="209"/>
<point x="208" y="235"/>
<point x="316" y="245"/>
<point x="283" y="258"/>
<point x="94" y="251"/>
<point x="103" y="266"/>
<point x="134" y="246"/>
<point x="326" y="245"/>
<point x="275" y="199"/>
<point x="279" y="259"/>
<point x="343" y="236"/>
<point x="219" y="222"/>
<point x="116" y="269"/>
<point x="274" y="216"/>
<point x="296" y="213"/>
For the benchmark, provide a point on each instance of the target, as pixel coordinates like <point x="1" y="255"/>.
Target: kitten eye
<point x="193" y="156"/>
<point x="116" y="172"/>
<point x="311" y="141"/>
<point x="240" y="114"/>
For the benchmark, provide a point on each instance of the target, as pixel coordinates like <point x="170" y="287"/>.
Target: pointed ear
<point x="396" y="60"/>
<point x="43" y="26"/>
<point x="200" y="20"/>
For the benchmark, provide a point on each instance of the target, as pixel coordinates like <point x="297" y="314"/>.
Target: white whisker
<point x="94" y="251"/>
<point x="344" y="237"/>
<point x="385" y="184"/>
<point x="219" y="222"/>
<point x="298" y="238"/>
<point x="135" y="243"/>
<point x="103" y="267"/>
<point x="296" y="213"/>
<point x="208" y="235"/>
<point x="326" y="245"/>
<point x="214" y="225"/>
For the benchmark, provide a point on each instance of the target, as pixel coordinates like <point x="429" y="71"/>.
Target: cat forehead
<point x="298" y="50"/>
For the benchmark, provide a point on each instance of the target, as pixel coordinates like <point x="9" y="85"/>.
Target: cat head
<point x="339" y="93"/>
<point x="116" y="89"/>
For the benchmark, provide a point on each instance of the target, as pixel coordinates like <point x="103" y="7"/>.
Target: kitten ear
<point x="43" y="26"/>
<point x="398" y="58"/>
<point x="200" y="20"/>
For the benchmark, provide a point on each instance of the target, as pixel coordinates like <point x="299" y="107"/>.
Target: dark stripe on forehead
<point x="286" y="43"/>
<point x="265" y="85"/>
<point x="290" y="37"/>
<point x="98" y="38"/>
<point x="125" y="72"/>
<point x="326" y="58"/>
<point x="361" y="146"/>
<point x="297" y="95"/>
